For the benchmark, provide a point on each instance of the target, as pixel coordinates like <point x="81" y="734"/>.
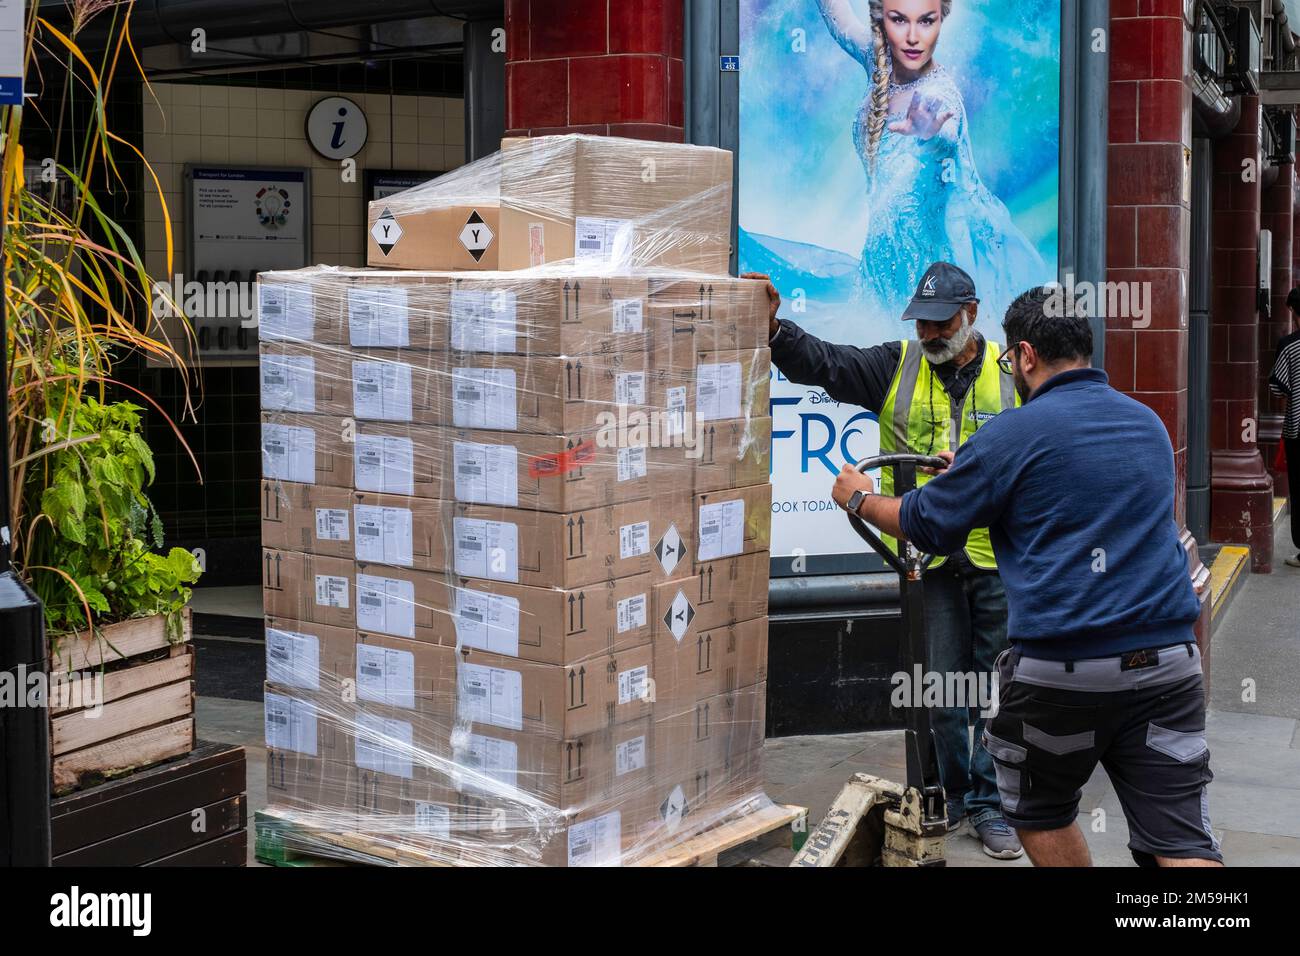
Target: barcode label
<point x="285" y="312"/>
<point x="629" y="388"/>
<point x="722" y="529"/>
<point x="290" y="723"/>
<point x="597" y="842"/>
<point x="289" y="453"/>
<point x="288" y="383"/>
<point x="331" y="591"/>
<point x="491" y="695"/>
<point x="629" y="756"/>
<point x="631" y="613"/>
<point x="631" y="463"/>
<point x="634" y="540"/>
<point x="718" y="391"/>
<point x="331" y="524"/>
<point x="489" y="622"/>
<point x="386" y="605"/>
<point x="633" y="684"/>
<point x="385" y="464"/>
<point x="487" y="549"/>
<point x="292" y="659"/>
<point x="486" y="474"/>
<point x="381" y="391"/>
<point x="385" y="535"/>
<point x="378" y="317"/>
<point x="628" y="315"/>
<point x="484" y="321"/>
<point x="484" y="398"/>
<point x="386" y="675"/>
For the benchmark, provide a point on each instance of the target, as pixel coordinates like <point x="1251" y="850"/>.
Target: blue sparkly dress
<point x="926" y="201"/>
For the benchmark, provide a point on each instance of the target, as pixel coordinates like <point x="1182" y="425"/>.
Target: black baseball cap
<point x="943" y="290"/>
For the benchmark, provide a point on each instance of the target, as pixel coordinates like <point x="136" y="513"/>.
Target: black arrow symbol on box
<point x="278" y="582"/>
<point x="582" y="617"/>
<point x="577" y="301"/>
<point x="267" y="555"/>
<point x="710" y="582"/>
<point x="567" y="290"/>
<point x="568" y="378"/>
<point x="569" y="760"/>
<point x="582" y="684"/>
<point x="582" y="546"/>
<point x="571" y="686"/>
<point x="570" y="613"/>
<point x="578" y="368"/>
<point x="712" y="444"/>
<point x="708" y="652"/>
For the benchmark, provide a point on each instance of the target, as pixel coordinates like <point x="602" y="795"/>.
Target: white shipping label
<point x="717" y="391"/>
<point x="385" y="464"/>
<point x="332" y="524"/>
<point x="629" y="755"/>
<point x="631" y="613"/>
<point x="433" y="819"/>
<point x="489" y="622"/>
<point x="484" y="398"/>
<point x="602" y="239"/>
<point x="487" y="549"/>
<point x="675" y="411"/>
<point x="292" y="659"/>
<point x="629" y="388"/>
<point x="486" y="474"/>
<point x="633" y="684"/>
<point x="628" y="315"/>
<point x="631" y="463"/>
<point x="331" y="591"/>
<point x="491" y="695"/>
<point x="378" y="317"/>
<point x="385" y="535"/>
<point x="285" y="312"/>
<point x="722" y="529"/>
<point x="289" y="453"/>
<point x="478" y="760"/>
<point x="484" y="321"/>
<point x="290" y="724"/>
<point x="386" y="676"/>
<point x="634" y="540"/>
<point x="597" y="842"/>
<point x="288" y="383"/>
<point x="384" y="745"/>
<point x="381" y="390"/>
<point x="386" y="605"/>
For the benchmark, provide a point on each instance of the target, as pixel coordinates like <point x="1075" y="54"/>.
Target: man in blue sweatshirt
<point x="1077" y="490"/>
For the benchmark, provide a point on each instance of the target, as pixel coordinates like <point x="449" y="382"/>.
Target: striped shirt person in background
<point x="1285" y="381"/>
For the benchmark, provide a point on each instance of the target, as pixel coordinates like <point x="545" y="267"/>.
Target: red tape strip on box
<point x="543" y="466"/>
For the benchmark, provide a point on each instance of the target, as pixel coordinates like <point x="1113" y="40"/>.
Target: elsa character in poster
<point x="925" y="199"/>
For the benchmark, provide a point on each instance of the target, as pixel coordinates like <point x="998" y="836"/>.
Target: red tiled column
<point x="1278" y="216"/>
<point x="611" y="67"/>
<point x="1149" y="229"/>
<point x="1241" y="503"/>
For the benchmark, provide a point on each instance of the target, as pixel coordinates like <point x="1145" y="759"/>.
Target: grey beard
<point x="953" y="347"/>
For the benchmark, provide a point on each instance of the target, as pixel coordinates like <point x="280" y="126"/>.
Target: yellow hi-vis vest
<point x="920" y="417"/>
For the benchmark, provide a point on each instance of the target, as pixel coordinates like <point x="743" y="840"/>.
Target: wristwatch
<point x="855" y="501"/>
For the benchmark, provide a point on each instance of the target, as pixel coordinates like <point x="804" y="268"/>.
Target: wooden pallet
<point x="145" y="686"/>
<point x="282" y="836"/>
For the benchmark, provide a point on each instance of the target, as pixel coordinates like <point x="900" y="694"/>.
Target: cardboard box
<point x="308" y="587"/>
<point x="306" y="449"/>
<point x="394" y="747"/>
<point x="708" y="314"/>
<point x="314" y="519"/>
<point x="539" y="395"/>
<point x="700" y="663"/>
<point x="399" y="459"/>
<point x="543" y="472"/>
<point x="731" y="522"/>
<point x="726" y="454"/>
<point x="302" y="656"/>
<point x="402" y="602"/>
<point x="548" y="315"/>
<point x="592" y="197"/>
<point x="305" y="378"/>
<point x="725" y="591"/>
<point x="496" y="767"/>
<point x="551" y="625"/>
<point x="294" y="306"/>
<point x="560" y="702"/>
<point x="602" y="834"/>
<point x="416" y="229"/>
<point x="574" y="549"/>
<point x="408" y="676"/>
<point x="701" y="388"/>
<point x="400" y="531"/>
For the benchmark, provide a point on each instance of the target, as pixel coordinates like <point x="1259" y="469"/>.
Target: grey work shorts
<point x="1141" y="717"/>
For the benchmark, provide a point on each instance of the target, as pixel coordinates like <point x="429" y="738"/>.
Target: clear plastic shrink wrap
<point x="516" y="523"/>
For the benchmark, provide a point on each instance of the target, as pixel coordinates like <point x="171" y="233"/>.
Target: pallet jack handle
<point x="909" y="563"/>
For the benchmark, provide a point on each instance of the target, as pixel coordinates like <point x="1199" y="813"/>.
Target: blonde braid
<point x="884" y="73"/>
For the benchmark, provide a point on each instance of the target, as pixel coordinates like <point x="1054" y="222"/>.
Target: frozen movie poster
<point x="877" y="136"/>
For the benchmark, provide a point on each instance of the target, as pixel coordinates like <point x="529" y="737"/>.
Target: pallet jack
<point x="875" y="822"/>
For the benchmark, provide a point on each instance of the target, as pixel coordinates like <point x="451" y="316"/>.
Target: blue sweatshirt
<point x="1077" y="490"/>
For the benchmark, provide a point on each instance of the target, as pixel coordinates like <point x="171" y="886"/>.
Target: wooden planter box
<point x="146" y="701"/>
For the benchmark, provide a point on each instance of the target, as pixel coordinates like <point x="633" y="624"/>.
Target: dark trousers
<point x="1293" y="479"/>
<point x="966" y="621"/>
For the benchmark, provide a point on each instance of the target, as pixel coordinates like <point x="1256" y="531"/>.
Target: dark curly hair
<point x="1054" y="337"/>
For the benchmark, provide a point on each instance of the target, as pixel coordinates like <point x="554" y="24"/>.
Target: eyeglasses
<point x="1004" y="360"/>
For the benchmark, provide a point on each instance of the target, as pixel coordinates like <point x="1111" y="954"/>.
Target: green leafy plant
<point x="96" y="529"/>
<point x="77" y="302"/>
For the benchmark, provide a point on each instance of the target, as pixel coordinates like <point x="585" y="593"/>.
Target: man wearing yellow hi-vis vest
<point x="931" y="395"/>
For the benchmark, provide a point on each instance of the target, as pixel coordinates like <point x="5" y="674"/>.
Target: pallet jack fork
<point x="875" y="822"/>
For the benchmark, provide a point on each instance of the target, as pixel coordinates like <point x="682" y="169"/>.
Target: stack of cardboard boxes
<point x="516" y="523"/>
